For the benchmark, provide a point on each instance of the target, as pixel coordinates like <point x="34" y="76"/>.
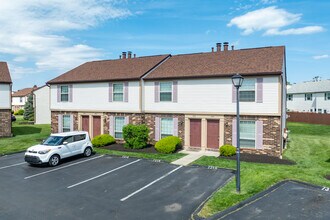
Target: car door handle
<point x="59" y="147"/>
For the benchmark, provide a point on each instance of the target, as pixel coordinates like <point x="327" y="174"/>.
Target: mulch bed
<point x="120" y="147"/>
<point x="255" y="158"/>
<point x="327" y="177"/>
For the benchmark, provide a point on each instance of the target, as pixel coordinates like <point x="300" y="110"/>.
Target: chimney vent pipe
<point x="232" y="47"/>
<point x="225" y="46"/>
<point x="212" y="49"/>
<point x="124" y="55"/>
<point x="129" y="54"/>
<point x="218" y="47"/>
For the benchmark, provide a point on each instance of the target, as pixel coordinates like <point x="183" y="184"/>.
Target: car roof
<point x="64" y="134"/>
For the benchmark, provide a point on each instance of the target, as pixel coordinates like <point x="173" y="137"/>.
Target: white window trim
<point x="64" y="116"/>
<point x="113" y="92"/>
<point x="311" y="94"/>
<point x="255" y="136"/>
<point x="64" y="93"/>
<point x="160" y="129"/>
<point x="249" y="90"/>
<point x="327" y="96"/>
<point x="117" y="131"/>
<point x="167" y="91"/>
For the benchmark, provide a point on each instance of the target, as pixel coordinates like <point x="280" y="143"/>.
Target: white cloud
<point x="271" y="20"/>
<point x="325" y="56"/>
<point x="268" y="1"/>
<point x="35" y="30"/>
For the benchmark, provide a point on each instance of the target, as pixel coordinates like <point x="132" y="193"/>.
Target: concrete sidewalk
<point x="193" y="155"/>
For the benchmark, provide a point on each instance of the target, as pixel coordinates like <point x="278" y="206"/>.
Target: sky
<point x="41" y="40"/>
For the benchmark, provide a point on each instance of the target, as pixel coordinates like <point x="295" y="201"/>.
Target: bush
<point x="103" y="140"/>
<point x="227" y="150"/>
<point x="168" y="145"/>
<point x="19" y="112"/>
<point x="136" y="136"/>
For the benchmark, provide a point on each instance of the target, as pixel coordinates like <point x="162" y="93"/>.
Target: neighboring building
<point x="41" y="105"/>
<point x="190" y="96"/>
<point x="311" y="96"/>
<point x="19" y="98"/>
<point x="5" y="100"/>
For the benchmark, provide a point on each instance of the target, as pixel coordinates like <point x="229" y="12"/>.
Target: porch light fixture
<point x="237" y="81"/>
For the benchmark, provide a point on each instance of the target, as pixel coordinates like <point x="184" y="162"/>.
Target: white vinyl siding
<point x="247" y="92"/>
<point x="166" y="127"/>
<point x="247" y="134"/>
<point x="64" y="93"/>
<point x="119" y="124"/>
<point x="165" y="91"/>
<point x="118" y="92"/>
<point x="66" y="125"/>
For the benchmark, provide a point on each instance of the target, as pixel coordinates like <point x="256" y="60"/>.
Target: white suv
<point x="59" y="146"/>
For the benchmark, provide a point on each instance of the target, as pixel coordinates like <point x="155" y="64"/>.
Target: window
<point x="247" y="134"/>
<point x="20" y="99"/>
<point x="311" y="110"/>
<point x="325" y="111"/>
<point x="308" y="96"/>
<point x="290" y="97"/>
<point x="166" y="127"/>
<point x="327" y="96"/>
<point x="68" y="139"/>
<point x="66" y="123"/>
<point x="64" y="93"/>
<point x="79" y="137"/>
<point x="319" y="110"/>
<point x="165" y="91"/>
<point x="247" y="91"/>
<point x="119" y="124"/>
<point x="118" y="92"/>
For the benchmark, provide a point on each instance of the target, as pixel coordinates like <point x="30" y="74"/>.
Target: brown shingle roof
<point x="4" y="73"/>
<point x="23" y="92"/>
<point x="267" y="60"/>
<point x="121" y="69"/>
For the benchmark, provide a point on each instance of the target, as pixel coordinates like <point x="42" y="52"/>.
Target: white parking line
<point x="38" y="174"/>
<point x="153" y="182"/>
<point x="98" y="176"/>
<point x="17" y="164"/>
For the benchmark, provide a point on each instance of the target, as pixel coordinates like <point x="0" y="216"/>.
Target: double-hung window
<point x="308" y="97"/>
<point x="118" y="92"/>
<point x="327" y="96"/>
<point x="64" y="93"/>
<point x="166" y="127"/>
<point x="20" y="99"/>
<point x="247" y="134"/>
<point x="247" y="92"/>
<point x="119" y="124"/>
<point x="290" y="97"/>
<point x="165" y="91"/>
<point x="66" y="123"/>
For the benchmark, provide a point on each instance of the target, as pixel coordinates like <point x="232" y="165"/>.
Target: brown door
<point x="96" y="125"/>
<point x="195" y="132"/>
<point x="85" y="123"/>
<point x="213" y="134"/>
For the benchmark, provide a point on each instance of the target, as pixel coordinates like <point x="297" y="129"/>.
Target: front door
<point x="195" y="132"/>
<point x="213" y="134"/>
<point x="85" y="123"/>
<point x="96" y="125"/>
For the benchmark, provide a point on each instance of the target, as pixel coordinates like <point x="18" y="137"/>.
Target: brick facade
<point x="5" y="122"/>
<point x="54" y="119"/>
<point x="271" y="134"/>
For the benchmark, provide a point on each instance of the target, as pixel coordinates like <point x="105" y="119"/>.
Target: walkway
<point x="193" y="155"/>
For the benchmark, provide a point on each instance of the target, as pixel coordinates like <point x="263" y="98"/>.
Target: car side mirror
<point x="42" y="141"/>
<point x="65" y="142"/>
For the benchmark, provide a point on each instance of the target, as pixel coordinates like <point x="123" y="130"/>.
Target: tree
<point x="28" y="109"/>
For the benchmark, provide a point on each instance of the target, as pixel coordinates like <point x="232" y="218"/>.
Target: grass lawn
<point x="25" y="136"/>
<point x="164" y="157"/>
<point x="309" y="148"/>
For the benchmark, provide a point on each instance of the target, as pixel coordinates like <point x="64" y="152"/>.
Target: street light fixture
<point x="237" y="81"/>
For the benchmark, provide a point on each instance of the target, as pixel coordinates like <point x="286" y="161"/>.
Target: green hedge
<point x="103" y="140"/>
<point x="136" y="136"/>
<point x="168" y="145"/>
<point x="227" y="150"/>
<point x="19" y="112"/>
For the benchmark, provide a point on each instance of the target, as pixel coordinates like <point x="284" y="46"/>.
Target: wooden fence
<point x="309" y="117"/>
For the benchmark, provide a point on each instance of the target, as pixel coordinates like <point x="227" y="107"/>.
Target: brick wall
<point x="309" y="117"/>
<point x="271" y="134"/>
<point x="54" y="119"/>
<point x="5" y="122"/>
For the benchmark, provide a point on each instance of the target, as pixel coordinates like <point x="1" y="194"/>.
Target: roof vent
<point x="218" y="47"/>
<point x="225" y="46"/>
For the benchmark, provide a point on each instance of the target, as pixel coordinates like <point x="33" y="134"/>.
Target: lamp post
<point x="237" y="81"/>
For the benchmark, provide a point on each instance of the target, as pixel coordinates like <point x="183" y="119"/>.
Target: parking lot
<point x="104" y="187"/>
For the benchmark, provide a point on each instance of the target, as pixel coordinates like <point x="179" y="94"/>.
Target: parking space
<point x="286" y="200"/>
<point x="104" y="187"/>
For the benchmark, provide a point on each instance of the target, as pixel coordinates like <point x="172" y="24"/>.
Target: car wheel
<point x="54" y="160"/>
<point x="88" y="152"/>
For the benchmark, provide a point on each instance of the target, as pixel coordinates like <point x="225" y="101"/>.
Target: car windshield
<point x="53" y="141"/>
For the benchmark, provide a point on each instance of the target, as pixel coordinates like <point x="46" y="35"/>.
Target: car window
<point x="68" y="139"/>
<point x="79" y="137"/>
<point x="53" y="141"/>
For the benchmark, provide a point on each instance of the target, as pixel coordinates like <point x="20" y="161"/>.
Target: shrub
<point x="103" y="140"/>
<point x="227" y="150"/>
<point x="19" y="112"/>
<point x="136" y="136"/>
<point x="168" y="145"/>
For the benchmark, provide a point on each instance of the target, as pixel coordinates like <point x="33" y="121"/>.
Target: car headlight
<point x="43" y="151"/>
